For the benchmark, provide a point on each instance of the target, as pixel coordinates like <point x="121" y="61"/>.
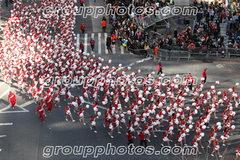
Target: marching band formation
<point x="28" y="57"/>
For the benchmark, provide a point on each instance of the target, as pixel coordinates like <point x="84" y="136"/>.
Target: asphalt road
<point x="23" y="135"/>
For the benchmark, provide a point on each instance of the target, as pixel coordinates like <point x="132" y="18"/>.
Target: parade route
<point x="166" y="111"/>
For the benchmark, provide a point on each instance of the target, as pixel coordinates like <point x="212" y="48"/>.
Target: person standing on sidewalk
<point x="204" y="75"/>
<point x="168" y="27"/>
<point x="179" y="22"/>
<point x="155" y="52"/>
<point x="82" y="27"/>
<point x="159" y="68"/>
<point x="142" y="139"/>
<point x="6" y="1"/>
<point x="92" y="43"/>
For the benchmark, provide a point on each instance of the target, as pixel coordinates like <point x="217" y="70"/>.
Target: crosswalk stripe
<point x="99" y="44"/>
<point x="92" y="36"/>
<point x="114" y="49"/>
<point x="122" y="49"/>
<point x="105" y="36"/>
<point x="6" y="92"/>
<point x="6" y="124"/>
<point x="85" y="43"/>
<point x="78" y="39"/>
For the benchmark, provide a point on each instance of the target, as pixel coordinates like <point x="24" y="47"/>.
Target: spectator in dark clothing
<point x="229" y="33"/>
<point x="108" y="44"/>
<point x="215" y="32"/>
<point x="170" y="42"/>
<point x="179" y="22"/>
<point x="154" y="28"/>
<point x="221" y="39"/>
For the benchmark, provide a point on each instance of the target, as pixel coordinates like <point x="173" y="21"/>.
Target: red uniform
<point x="49" y="102"/>
<point x="40" y="111"/>
<point x="204" y="73"/>
<point x="82" y="27"/>
<point x="12" y="98"/>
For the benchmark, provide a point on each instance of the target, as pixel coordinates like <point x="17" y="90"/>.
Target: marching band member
<point x="40" y="111"/>
<point x="81" y="114"/>
<point x="216" y="148"/>
<point x="68" y="113"/>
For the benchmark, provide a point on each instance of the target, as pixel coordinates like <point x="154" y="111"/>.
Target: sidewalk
<point x="233" y="59"/>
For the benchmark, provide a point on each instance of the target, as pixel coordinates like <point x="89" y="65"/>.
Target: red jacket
<point x="130" y="136"/>
<point x="40" y="108"/>
<point x="204" y="73"/>
<point x="142" y="136"/>
<point x="82" y="27"/>
<point x="12" y="97"/>
<point x="159" y="67"/>
<point x="81" y="1"/>
<point x="81" y="46"/>
<point x="92" y="42"/>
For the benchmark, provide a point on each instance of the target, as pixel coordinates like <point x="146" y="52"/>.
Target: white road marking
<point x="3" y="110"/>
<point x="85" y="43"/>
<point x="99" y="44"/>
<point x="131" y="64"/>
<point x="1" y="136"/>
<point x="220" y="66"/>
<point x="6" y="124"/>
<point x="113" y="49"/>
<point x="6" y="92"/>
<point x="140" y="61"/>
<point x="2" y="83"/>
<point x="148" y="58"/>
<point x="105" y="36"/>
<point x="25" y="104"/>
<point x="122" y="49"/>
